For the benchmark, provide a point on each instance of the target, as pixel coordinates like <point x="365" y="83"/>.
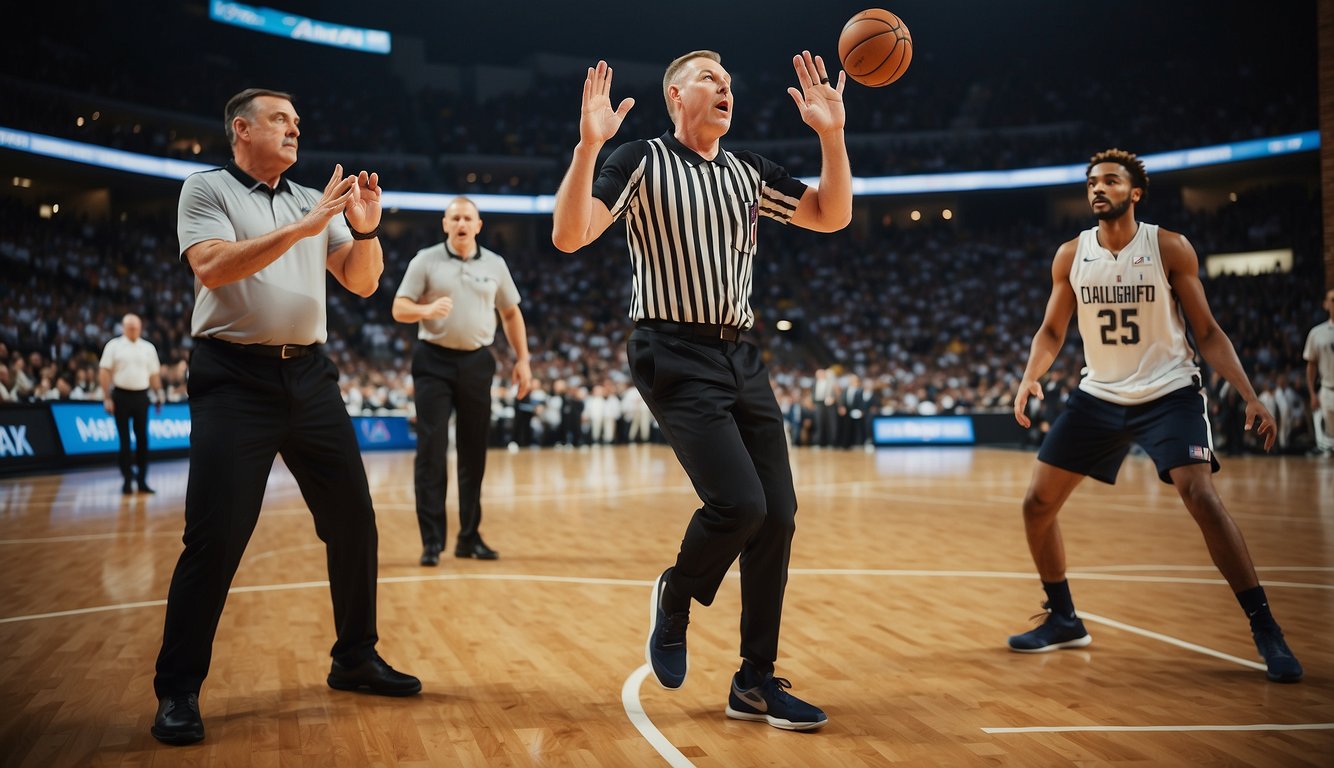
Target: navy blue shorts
<point x="1092" y="436"/>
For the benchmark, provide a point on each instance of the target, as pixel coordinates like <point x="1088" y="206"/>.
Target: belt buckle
<point x="282" y="353"/>
<point x="728" y="333"/>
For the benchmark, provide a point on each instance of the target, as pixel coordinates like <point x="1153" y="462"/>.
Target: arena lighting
<point x="167" y="168"/>
<point x="783" y="325"/>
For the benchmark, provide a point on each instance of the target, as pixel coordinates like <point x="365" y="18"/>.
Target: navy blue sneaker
<point x="1054" y="633"/>
<point x="1282" y="666"/>
<point x="666" y="650"/>
<point x="769" y="702"/>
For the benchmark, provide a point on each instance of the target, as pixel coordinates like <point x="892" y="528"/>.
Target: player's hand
<point x="1027" y="388"/>
<point x="337" y="192"/>
<point x="522" y="378"/>
<point x="110" y="405"/>
<point x="1268" y="430"/>
<point x="363" y="208"/>
<point x="819" y="101"/>
<point x="597" y="121"/>
<point x="440" y="308"/>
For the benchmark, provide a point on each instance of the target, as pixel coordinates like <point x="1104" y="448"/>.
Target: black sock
<point x="753" y="674"/>
<point x="1255" y="605"/>
<point x="1058" y="597"/>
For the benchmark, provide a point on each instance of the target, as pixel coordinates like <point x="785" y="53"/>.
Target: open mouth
<point x="723" y="107"/>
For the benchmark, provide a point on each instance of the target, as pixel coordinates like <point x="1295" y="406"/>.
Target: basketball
<point x="875" y="47"/>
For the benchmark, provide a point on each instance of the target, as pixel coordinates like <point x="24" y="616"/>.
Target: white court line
<point x="1164" y="728"/>
<point x="92" y="537"/>
<point x="1209" y="568"/>
<point x="635" y="711"/>
<point x="1171" y="640"/>
<point x="1027" y="575"/>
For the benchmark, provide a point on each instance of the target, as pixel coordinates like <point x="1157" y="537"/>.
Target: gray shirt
<point x="284" y="303"/>
<point x="479" y="286"/>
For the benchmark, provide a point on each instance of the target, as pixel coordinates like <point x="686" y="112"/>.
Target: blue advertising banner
<point x="922" y="430"/>
<point x="86" y="428"/>
<point x="378" y="433"/>
<point x="290" y="25"/>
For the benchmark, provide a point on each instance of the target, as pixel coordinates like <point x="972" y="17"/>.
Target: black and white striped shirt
<point x="691" y="223"/>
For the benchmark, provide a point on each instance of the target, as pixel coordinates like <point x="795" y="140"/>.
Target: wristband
<point x="374" y="233"/>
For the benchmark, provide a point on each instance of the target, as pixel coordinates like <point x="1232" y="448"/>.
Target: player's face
<point x="705" y="90"/>
<point x="1110" y="193"/>
<point x="462" y="222"/>
<point x="273" y="128"/>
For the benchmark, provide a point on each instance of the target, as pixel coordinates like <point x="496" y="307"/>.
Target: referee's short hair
<point x="674" y="69"/>
<point x="241" y="105"/>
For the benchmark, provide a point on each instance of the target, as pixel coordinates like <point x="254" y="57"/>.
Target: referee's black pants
<point x="132" y="405"/>
<point x="716" y="408"/>
<point x="245" y="410"/>
<point x="450" y="381"/>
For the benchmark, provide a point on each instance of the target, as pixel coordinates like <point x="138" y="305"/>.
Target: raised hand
<point x="337" y="193"/>
<point x="820" y="103"/>
<point x="363" y="208"/>
<point x="597" y="121"/>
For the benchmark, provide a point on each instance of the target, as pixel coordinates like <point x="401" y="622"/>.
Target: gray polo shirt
<point x="284" y="303"/>
<point x="479" y="286"/>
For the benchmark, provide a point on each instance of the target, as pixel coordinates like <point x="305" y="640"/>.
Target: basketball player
<point x="691" y="209"/>
<point x="1319" y="357"/>
<point x="1131" y="282"/>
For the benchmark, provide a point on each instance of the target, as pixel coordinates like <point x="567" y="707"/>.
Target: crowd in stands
<point x="931" y="318"/>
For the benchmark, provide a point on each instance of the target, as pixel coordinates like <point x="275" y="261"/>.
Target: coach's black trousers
<point x="132" y="406"/>
<point x="448" y="381"/>
<point x="244" y="411"/>
<point x="716" y="408"/>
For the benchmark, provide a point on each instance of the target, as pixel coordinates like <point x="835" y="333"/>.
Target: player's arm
<point x="580" y="218"/>
<point x="1312" y="376"/>
<point x="828" y="206"/>
<point x="1183" y="273"/>
<point x="1049" y="339"/>
<point x="219" y="262"/>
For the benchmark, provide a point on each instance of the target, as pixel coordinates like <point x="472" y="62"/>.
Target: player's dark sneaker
<point x="769" y="702"/>
<point x="1282" y="666"/>
<point x="1054" y="633"/>
<point x="666" y="649"/>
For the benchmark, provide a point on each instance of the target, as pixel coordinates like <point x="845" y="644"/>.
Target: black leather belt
<point x="280" y="351"/>
<point x="705" y="330"/>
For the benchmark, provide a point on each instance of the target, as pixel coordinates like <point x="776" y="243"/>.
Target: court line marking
<point x="640" y="719"/>
<point x="1163" y="728"/>
<point x="1170" y="640"/>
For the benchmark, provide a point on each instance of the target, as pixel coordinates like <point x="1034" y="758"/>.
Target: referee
<point x="259" y="245"/>
<point x="691" y="209"/>
<point x="128" y="369"/>
<point x="453" y="291"/>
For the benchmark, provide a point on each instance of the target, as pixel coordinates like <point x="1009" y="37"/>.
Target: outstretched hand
<point x="1027" y="389"/>
<point x="598" y="122"/>
<point x="363" y="208"/>
<point x="820" y="103"/>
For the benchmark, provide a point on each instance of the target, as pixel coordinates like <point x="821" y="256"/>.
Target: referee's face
<point x="462" y="222"/>
<point x="705" y="91"/>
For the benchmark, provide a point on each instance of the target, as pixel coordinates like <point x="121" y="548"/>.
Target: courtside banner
<point x="922" y="430"/>
<point x="86" y="428"/>
<point x="26" y="435"/>
<point x="379" y="433"/>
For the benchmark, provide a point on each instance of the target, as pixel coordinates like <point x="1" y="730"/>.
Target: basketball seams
<point x="869" y="28"/>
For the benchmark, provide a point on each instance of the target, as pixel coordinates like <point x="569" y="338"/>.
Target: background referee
<point x="691" y="210"/>
<point x="128" y="369"/>
<point x="453" y="290"/>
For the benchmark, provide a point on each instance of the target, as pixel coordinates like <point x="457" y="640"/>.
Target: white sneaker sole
<point x="1076" y="643"/>
<point x="777" y="722"/>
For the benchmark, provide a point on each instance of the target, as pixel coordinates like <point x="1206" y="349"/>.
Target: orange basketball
<point x="875" y="47"/>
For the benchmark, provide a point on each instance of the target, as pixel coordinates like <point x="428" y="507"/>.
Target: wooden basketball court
<point x="909" y="571"/>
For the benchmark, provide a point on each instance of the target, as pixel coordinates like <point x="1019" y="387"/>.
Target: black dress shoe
<point x="143" y="488"/>
<point x="127" y="489"/>
<point x="430" y="556"/>
<point x="477" y="549"/>
<point x="178" y="721"/>
<point x="373" y="676"/>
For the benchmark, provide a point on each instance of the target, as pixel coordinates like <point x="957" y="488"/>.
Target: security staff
<point x="128" y="370"/>
<point x="259" y="245"/>
<point x="453" y="291"/>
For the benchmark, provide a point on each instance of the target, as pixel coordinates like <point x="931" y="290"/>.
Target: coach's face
<point x="704" y="89"/>
<point x="1110" y="192"/>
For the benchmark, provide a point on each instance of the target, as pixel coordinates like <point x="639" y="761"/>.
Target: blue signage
<point x="290" y="25"/>
<point x="922" y="430"/>
<point x="86" y="428"/>
<point x="378" y="433"/>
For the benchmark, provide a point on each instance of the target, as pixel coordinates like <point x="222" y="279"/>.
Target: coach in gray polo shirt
<point x="453" y="291"/>
<point x="259" y="245"/>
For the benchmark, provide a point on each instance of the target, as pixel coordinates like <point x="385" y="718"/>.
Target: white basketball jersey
<point x="1135" y="347"/>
